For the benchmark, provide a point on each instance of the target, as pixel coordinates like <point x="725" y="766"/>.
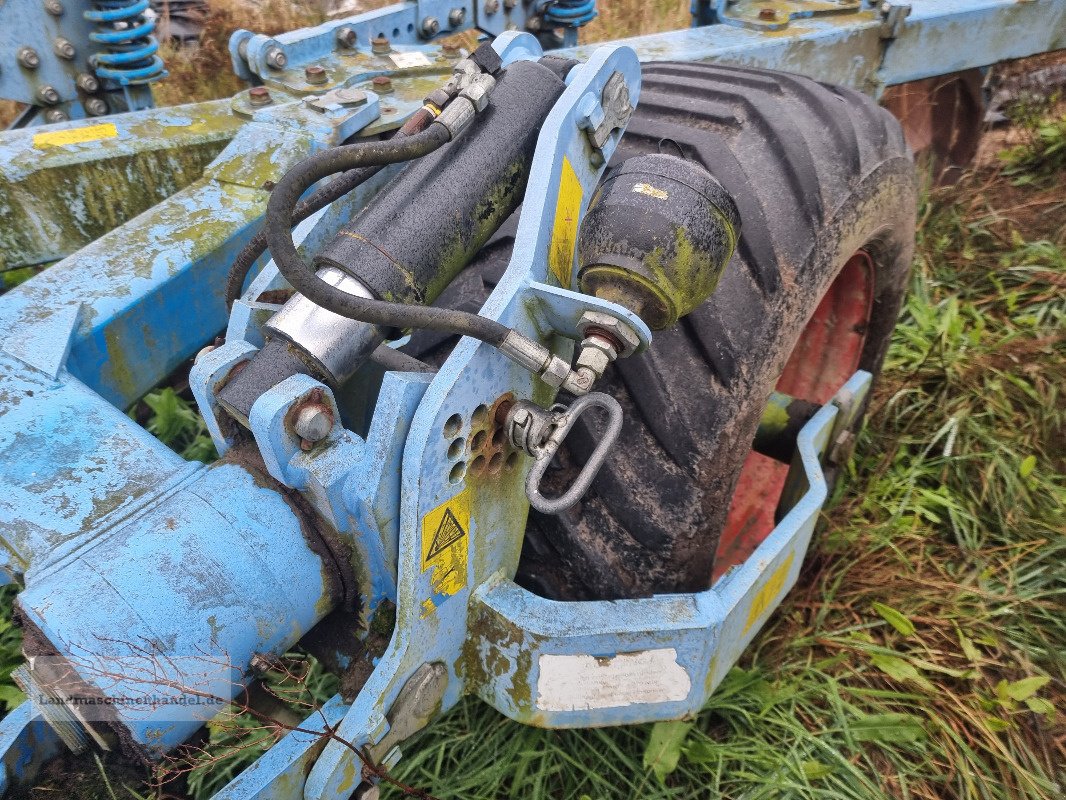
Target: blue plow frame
<point x="87" y="491"/>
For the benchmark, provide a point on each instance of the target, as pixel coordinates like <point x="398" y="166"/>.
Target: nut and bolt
<point x="430" y="26"/>
<point x="509" y="4"/>
<point x="53" y="7"/>
<point x="492" y="6"/>
<point x="28" y="58"/>
<point x="315" y="74"/>
<point x="456" y="17"/>
<point x="87" y="83"/>
<point x="203" y="351"/>
<point x="382" y="84"/>
<point x="380" y="45"/>
<point x="346" y="37"/>
<point x="767" y="14"/>
<point x="842" y="448"/>
<point x="48" y="95"/>
<point x="276" y="58"/>
<point x="313" y="423"/>
<point x="63" y="48"/>
<point x="55" y="115"/>
<point x="95" y="107"/>
<point x="259" y="96"/>
<point x="450" y="50"/>
<point x="261" y="663"/>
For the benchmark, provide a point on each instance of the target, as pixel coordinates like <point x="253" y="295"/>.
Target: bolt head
<point x="313" y="422"/>
<point x="87" y="83"/>
<point x="767" y="14"/>
<point x="63" y="48"/>
<point x="346" y="37"/>
<point x="48" y="95"/>
<point x="95" y="107"/>
<point x="509" y="4"/>
<point x="380" y="45"/>
<point x="28" y="58"/>
<point x="315" y="74"/>
<point x="55" y="115"/>
<point x="456" y="17"/>
<point x="54" y="7"/>
<point x="430" y="26"/>
<point x="276" y="58"/>
<point x="259" y="96"/>
<point x="382" y="84"/>
<point x="492" y="6"/>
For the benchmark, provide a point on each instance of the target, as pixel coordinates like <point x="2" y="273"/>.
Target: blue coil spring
<point x="571" y="13"/>
<point x="130" y="56"/>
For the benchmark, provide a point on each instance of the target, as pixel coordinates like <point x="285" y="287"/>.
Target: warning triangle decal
<point x="448" y="533"/>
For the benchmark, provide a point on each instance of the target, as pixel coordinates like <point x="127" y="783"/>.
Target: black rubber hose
<point x="316" y="201"/>
<point x="301" y="275"/>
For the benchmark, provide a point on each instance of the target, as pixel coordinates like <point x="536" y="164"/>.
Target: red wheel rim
<point x="826" y="354"/>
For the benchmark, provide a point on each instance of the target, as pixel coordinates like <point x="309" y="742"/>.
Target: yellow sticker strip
<point x="768" y="593"/>
<point x="446" y="544"/>
<point x="650" y="191"/>
<point x="87" y="133"/>
<point x="564" y="229"/>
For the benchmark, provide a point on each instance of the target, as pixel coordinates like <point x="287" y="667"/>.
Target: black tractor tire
<point x="819" y="173"/>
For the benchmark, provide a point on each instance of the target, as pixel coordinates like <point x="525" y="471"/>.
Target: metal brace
<point x="892" y="17"/>
<point x="540" y="432"/>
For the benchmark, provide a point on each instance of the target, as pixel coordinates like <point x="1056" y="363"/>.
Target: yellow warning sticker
<point x="445" y="544"/>
<point x="650" y="191"/>
<point x="87" y="133"/>
<point x="768" y="593"/>
<point x="564" y="229"/>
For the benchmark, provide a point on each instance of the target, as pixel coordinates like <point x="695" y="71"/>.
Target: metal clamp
<point x="540" y="432"/>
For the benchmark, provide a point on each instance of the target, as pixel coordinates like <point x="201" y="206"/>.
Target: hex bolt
<point x="259" y="96"/>
<point x="509" y="4"/>
<point x="382" y="84"/>
<point x="492" y="6"/>
<point x="87" y="83"/>
<point x="315" y="74"/>
<point x="28" y="58"/>
<point x="276" y="58"/>
<point x="767" y="14"/>
<point x="64" y="48"/>
<point x="203" y="351"/>
<point x="54" y="7"/>
<point x="95" y="107"/>
<point x="48" y="95"/>
<point x="380" y="45"/>
<point x="55" y="115"/>
<point x="313" y="422"/>
<point x="346" y="37"/>
<point x="456" y="17"/>
<point x="430" y="27"/>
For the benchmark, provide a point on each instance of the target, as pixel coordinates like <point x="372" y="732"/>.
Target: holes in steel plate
<point x="478" y="441"/>
<point x="452" y="426"/>
<point x="457" y="472"/>
<point x="496" y="463"/>
<point x="395" y="32"/>
<point x="455" y="449"/>
<point x="478" y="465"/>
<point x="512" y="459"/>
<point x="499" y="437"/>
<point x="480" y="416"/>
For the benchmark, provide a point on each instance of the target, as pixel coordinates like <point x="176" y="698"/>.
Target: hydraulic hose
<point x="315" y="202"/>
<point x="301" y="275"/>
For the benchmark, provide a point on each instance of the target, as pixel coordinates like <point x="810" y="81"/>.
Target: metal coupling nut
<point x="457" y="116"/>
<point x="477" y="92"/>
<point x="621" y="331"/>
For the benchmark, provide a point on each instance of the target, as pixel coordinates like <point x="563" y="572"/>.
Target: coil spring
<point x="121" y="26"/>
<point x="571" y="13"/>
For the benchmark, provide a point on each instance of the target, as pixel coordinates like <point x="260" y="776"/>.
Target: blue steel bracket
<point x="774" y="16"/>
<point x="564" y="665"/>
